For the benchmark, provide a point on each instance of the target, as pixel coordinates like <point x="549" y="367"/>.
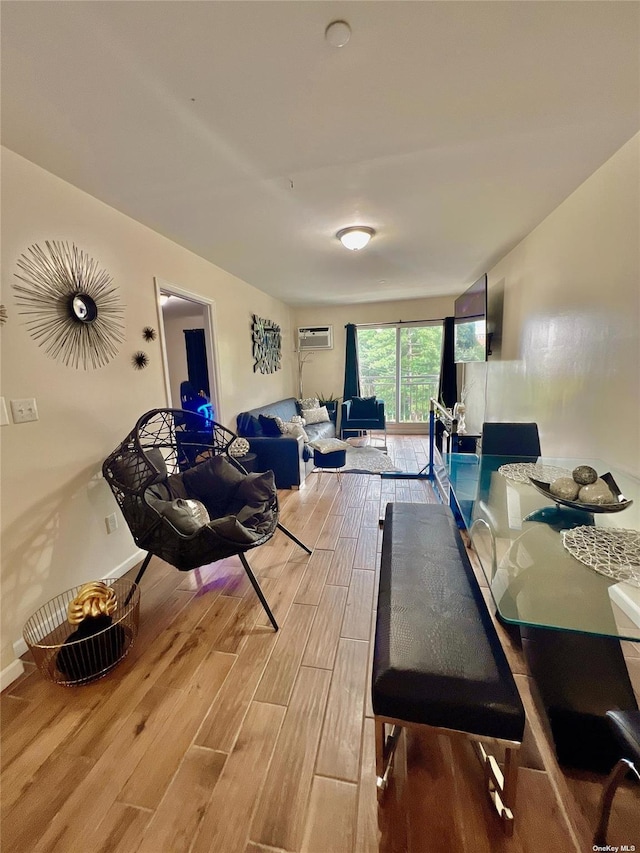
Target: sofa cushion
<point x="248" y="425"/>
<point x="213" y="482"/>
<point x="308" y="403"/>
<point x="363" y="408"/>
<point x="316" y="416"/>
<point x="270" y="425"/>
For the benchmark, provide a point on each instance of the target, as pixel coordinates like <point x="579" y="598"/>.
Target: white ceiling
<point x="235" y="129"/>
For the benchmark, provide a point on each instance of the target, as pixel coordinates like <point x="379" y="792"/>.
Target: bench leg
<point x="501" y="786"/>
<point x="385" y="749"/>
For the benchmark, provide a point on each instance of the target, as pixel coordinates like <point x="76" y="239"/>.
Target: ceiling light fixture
<point x="164" y="298"/>
<point x="356" y="237"/>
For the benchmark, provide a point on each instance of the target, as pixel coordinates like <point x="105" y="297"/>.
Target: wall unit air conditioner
<point x="315" y="337"/>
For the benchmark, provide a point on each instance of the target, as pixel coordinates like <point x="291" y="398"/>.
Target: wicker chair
<point x="162" y="471"/>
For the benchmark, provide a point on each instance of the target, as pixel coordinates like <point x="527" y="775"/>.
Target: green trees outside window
<point x="400" y="364"/>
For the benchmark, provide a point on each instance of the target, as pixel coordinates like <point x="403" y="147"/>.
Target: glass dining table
<point x="547" y="564"/>
<point x="567" y="575"/>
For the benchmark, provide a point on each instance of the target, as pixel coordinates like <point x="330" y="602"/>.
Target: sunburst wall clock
<point x="72" y="306"/>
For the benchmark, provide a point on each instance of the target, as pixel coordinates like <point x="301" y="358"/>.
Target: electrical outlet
<point x="24" y="410"/>
<point x="112" y="522"/>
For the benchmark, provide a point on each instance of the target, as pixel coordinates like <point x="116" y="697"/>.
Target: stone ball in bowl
<point x="565" y="488"/>
<point x="596" y="493"/>
<point x="585" y="475"/>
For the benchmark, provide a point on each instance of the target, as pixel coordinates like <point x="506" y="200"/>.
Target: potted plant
<point x="331" y="402"/>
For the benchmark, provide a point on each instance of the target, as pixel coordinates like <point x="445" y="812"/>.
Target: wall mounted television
<point x="471" y="341"/>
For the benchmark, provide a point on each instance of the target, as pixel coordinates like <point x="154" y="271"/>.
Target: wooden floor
<point x="218" y="734"/>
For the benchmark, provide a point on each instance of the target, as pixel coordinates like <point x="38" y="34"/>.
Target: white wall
<point x="571" y="345"/>
<point x="53" y="506"/>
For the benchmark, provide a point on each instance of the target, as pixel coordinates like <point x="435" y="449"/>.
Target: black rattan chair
<point x="167" y="471"/>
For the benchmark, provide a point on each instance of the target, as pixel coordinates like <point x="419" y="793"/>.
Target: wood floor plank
<point x="11" y="709"/>
<point x="330" y="532"/>
<point x="332" y="817"/>
<point x="88" y="803"/>
<point x="146" y="786"/>
<point x="280" y="816"/>
<point x="339" y="752"/>
<point x="26" y="813"/>
<point x="357" y="616"/>
<point x="367" y="832"/>
<point x="325" y="633"/>
<point x="352" y="521"/>
<point x="222" y="724"/>
<point x="102" y="727"/>
<point x="312" y="584"/>
<point x="244" y="617"/>
<point x="366" y="549"/>
<point x="174" y="826"/>
<point x="280" y="674"/>
<point x="342" y="563"/>
<point x="225" y="824"/>
<point x="283" y="591"/>
<point x="120" y="832"/>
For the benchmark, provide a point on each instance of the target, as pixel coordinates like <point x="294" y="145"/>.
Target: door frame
<point x="210" y="340"/>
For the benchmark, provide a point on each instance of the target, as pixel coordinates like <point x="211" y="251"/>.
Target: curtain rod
<point x="397" y="323"/>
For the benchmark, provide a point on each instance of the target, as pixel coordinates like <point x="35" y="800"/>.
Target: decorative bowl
<point x="621" y="501"/>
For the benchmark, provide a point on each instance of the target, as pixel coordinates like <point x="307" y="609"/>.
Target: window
<point x="400" y="364"/>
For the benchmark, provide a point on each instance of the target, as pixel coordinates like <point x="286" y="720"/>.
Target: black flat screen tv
<point x="470" y="324"/>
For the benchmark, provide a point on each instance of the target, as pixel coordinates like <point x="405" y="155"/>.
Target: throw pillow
<point x="297" y="419"/>
<point x="328" y="445"/>
<point x="188" y="516"/>
<point x="296" y="430"/>
<point x="213" y="482"/>
<point x="248" y="425"/>
<point x="257" y="488"/>
<point x="364" y="408"/>
<point x="269" y="424"/>
<point x="308" y="403"/>
<point x="316" y="416"/>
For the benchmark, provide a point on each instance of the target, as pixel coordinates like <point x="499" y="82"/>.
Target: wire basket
<point x="61" y="652"/>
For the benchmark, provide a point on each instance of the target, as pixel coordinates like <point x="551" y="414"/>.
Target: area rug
<point x="367" y="460"/>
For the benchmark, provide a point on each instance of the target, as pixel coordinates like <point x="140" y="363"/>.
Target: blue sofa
<point x="288" y="457"/>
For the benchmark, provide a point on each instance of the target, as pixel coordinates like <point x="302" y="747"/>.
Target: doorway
<point x="187" y="332"/>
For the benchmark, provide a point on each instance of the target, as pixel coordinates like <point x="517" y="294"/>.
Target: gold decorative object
<point x="93" y="599"/>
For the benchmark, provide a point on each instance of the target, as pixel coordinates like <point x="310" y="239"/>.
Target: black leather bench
<point x="438" y="662"/>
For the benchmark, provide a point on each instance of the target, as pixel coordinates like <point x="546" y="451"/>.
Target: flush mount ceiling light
<point x="356" y="237"/>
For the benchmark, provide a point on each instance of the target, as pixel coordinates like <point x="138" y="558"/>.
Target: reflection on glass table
<point x="538" y="576"/>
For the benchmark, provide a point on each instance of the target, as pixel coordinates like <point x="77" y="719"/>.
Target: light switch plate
<point x="24" y="410"/>
<point x="4" y="416"/>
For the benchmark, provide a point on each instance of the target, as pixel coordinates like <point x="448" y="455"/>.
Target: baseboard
<point x="20" y="647"/>
<point x="10" y="673"/>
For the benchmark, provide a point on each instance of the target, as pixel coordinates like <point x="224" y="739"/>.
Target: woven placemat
<point x="520" y="472"/>
<point x="610" y="551"/>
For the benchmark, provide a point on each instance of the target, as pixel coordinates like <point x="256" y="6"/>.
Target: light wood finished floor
<point x="217" y="734"/>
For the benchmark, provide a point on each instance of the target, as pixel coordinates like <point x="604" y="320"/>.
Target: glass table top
<point x="538" y="555"/>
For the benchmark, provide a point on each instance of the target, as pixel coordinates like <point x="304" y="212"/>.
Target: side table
<point x="248" y="462"/>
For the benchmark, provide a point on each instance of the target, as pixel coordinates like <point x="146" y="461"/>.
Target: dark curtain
<point x="351" y="368"/>
<point x="448" y="388"/>
<point x="197" y="360"/>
